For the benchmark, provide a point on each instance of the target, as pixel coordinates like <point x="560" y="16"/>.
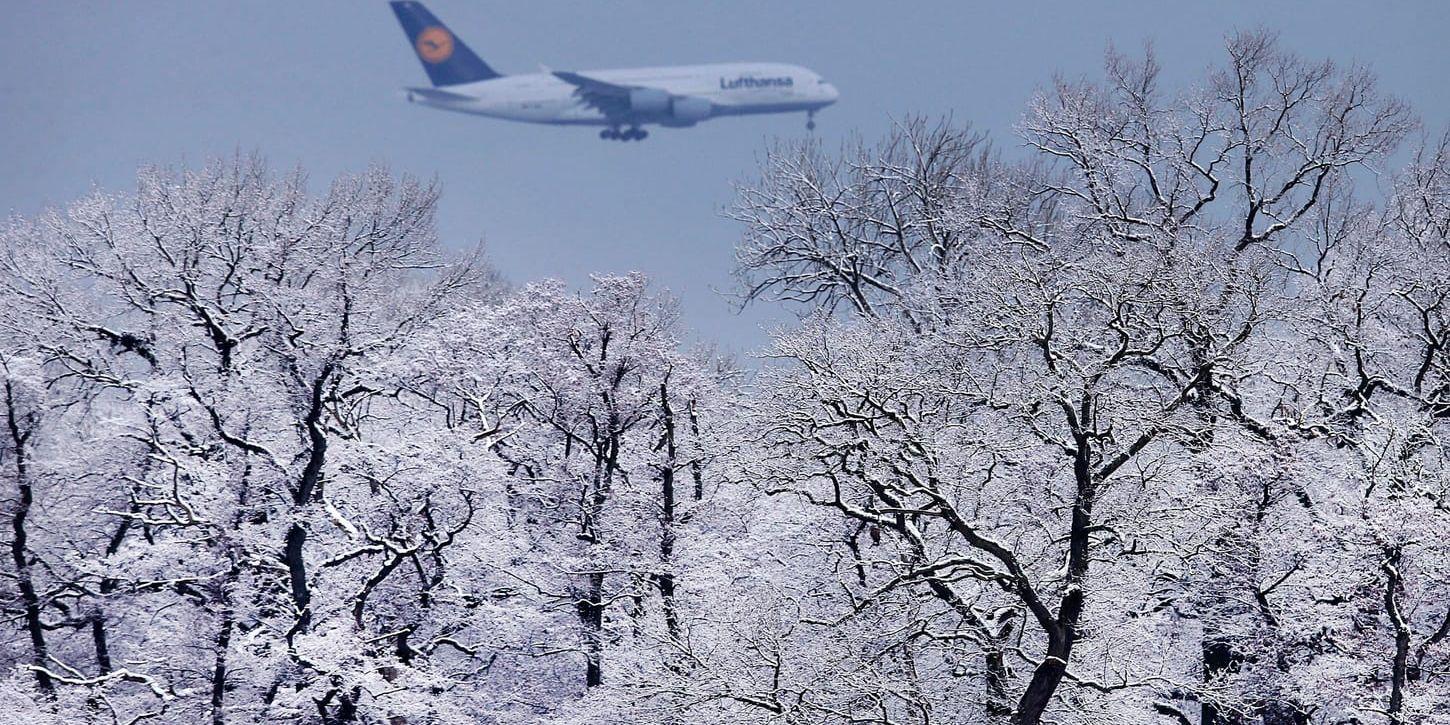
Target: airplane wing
<point x="611" y="99"/>
<point x="435" y="94"/>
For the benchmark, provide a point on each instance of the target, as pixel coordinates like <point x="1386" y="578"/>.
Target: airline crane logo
<point x="435" y="44"/>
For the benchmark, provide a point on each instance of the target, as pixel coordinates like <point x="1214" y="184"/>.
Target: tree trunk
<point x="696" y="468"/>
<point x="1045" y="679"/>
<point x="1063" y="634"/>
<point x="591" y="606"/>
<point x="224" y="595"/>
<point x="666" y="577"/>
<point x="1399" y="667"/>
<point x="292" y="553"/>
<point x="103" y="647"/>
<point x="108" y="585"/>
<point x="219" y="671"/>
<point x="591" y="615"/>
<point x="18" y="549"/>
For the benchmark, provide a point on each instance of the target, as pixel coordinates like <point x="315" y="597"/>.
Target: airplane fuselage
<point x="730" y="89"/>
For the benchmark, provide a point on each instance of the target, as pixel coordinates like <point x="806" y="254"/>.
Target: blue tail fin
<point x="445" y="57"/>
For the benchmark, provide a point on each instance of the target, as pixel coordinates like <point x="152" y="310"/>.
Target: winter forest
<point x="1140" y="416"/>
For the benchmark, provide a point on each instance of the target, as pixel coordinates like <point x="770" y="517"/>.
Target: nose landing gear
<point x="634" y="133"/>
<point x="810" y="120"/>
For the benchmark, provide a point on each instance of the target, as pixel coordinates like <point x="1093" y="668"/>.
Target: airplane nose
<point x="831" y="93"/>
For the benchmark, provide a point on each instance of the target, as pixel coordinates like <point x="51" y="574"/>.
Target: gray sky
<point x="90" y="90"/>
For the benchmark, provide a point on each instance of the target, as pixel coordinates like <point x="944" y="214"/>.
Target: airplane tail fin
<point x="448" y="61"/>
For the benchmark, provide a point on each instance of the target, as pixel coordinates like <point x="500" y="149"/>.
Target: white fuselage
<point x="730" y="88"/>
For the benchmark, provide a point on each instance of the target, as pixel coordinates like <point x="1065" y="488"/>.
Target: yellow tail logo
<point x="435" y="44"/>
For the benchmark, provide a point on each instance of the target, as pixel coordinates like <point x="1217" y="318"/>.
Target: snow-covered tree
<point x="1062" y="400"/>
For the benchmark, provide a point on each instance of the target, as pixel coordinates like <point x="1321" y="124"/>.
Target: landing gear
<point x="810" y="120"/>
<point x="632" y="134"/>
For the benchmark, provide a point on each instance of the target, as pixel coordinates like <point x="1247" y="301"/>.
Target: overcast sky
<point x="90" y="90"/>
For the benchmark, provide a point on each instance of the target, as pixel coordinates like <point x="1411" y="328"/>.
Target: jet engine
<point x="649" y="100"/>
<point x="689" y="109"/>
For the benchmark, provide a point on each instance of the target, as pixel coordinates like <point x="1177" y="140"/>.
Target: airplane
<point x="623" y="101"/>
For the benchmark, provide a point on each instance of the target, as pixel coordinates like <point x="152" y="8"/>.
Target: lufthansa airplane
<point x="622" y="101"/>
